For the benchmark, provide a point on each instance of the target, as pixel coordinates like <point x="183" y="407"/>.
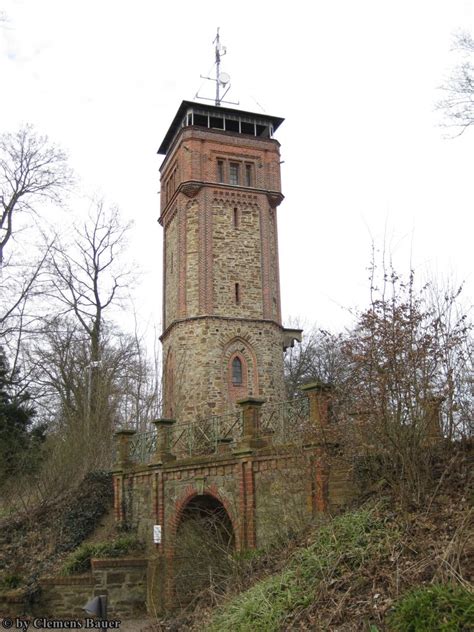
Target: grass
<point x="437" y="608"/>
<point x="79" y="560"/>
<point x="338" y="547"/>
<point x="10" y="580"/>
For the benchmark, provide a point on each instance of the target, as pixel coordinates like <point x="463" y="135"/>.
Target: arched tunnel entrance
<point x="204" y="546"/>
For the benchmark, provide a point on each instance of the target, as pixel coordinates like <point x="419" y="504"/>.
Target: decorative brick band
<point x="116" y="562"/>
<point x="202" y="222"/>
<point x="265" y="321"/>
<point x="265" y="262"/>
<point x="76" y="580"/>
<point x="163" y="307"/>
<point x="209" y="267"/>
<point x="276" y="266"/>
<point x="182" y="261"/>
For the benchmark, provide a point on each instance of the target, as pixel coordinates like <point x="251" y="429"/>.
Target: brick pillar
<point x="122" y="442"/>
<point x="123" y="462"/>
<point x="322" y="482"/>
<point x="251" y="437"/>
<point x="157" y="572"/>
<point x="319" y="396"/>
<point x="157" y="579"/>
<point x="163" y="440"/>
<point x="250" y="441"/>
<point x="224" y="445"/>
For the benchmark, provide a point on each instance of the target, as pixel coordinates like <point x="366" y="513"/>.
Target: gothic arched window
<point x="236" y="371"/>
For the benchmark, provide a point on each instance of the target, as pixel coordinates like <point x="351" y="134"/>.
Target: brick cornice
<point x="191" y="188"/>
<point x="264" y="321"/>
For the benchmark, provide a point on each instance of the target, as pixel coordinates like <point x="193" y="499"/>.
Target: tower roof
<point x="219" y="118"/>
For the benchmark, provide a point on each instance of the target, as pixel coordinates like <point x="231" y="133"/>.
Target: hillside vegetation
<point x="34" y="543"/>
<point x="378" y="567"/>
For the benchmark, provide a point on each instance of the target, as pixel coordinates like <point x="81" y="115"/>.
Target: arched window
<point x="236" y="371"/>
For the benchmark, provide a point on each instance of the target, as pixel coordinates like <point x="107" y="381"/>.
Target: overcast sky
<point x="356" y="82"/>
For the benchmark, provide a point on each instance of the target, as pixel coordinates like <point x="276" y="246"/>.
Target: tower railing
<point x="203" y="437"/>
<point x="276" y="423"/>
<point x="282" y="421"/>
<point x="197" y="438"/>
<point x="142" y="447"/>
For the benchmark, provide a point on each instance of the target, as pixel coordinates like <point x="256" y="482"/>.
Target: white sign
<point x="157" y="533"/>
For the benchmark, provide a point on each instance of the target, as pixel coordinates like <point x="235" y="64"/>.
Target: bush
<point x="92" y="499"/>
<point x="437" y="608"/>
<point x="79" y="561"/>
<point x="9" y="581"/>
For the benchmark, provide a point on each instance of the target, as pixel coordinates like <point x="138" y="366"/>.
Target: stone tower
<point x="222" y="334"/>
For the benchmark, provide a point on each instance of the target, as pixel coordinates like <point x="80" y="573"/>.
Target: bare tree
<point x="140" y="386"/>
<point x="456" y="353"/>
<point x="82" y="404"/>
<point x="87" y="276"/>
<point x="31" y="169"/>
<point x="404" y="357"/>
<point x="87" y="279"/>
<point x="318" y="358"/>
<point x="458" y="103"/>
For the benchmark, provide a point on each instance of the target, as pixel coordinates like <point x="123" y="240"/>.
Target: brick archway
<point x="190" y="494"/>
<point x="241" y="348"/>
<point x="173" y="563"/>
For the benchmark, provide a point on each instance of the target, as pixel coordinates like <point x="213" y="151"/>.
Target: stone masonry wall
<point x="237" y="256"/>
<point x="64" y="596"/>
<point x="202" y="350"/>
<point x="122" y="580"/>
<point x="282" y="492"/>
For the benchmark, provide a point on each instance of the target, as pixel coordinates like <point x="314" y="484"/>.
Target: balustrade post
<point x="122" y="441"/>
<point x="251" y="438"/>
<point x="223" y="445"/>
<point x="319" y="396"/>
<point x="163" y="452"/>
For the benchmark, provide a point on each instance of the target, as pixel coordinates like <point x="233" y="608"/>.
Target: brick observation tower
<point x="222" y="334"/>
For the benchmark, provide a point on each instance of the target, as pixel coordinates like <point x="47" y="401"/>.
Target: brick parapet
<point x="118" y="562"/>
<point x="73" y="580"/>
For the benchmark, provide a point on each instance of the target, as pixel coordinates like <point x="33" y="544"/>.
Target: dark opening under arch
<point x="205" y="542"/>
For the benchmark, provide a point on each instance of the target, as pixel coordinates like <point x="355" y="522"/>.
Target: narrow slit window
<point x="237" y="293"/>
<point x="236" y="217"/>
<point x="248" y="175"/>
<point x="220" y="171"/>
<point x="236" y="372"/>
<point x="234" y="173"/>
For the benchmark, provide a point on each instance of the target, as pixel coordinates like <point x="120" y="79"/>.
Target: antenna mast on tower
<point x="222" y="79"/>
